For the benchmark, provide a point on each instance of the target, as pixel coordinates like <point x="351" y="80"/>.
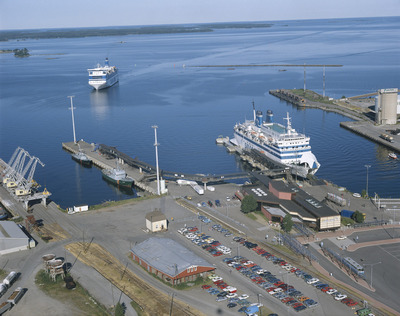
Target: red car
<point x="205" y="287"/>
<point x="217" y="254"/>
<point x="192" y="229"/>
<point x="351" y="303"/>
<point x="278" y="283"/>
<point x="325" y="289"/>
<point x="219" y="282"/>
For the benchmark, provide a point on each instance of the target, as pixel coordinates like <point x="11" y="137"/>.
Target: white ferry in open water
<point x="103" y="77"/>
<point x="277" y="142"/>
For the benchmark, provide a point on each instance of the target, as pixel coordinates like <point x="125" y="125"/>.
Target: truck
<point x="5" y="307"/>
<point x="197" y="188"/>
<point x="336" y="199"/>
<point x="9" y="279"/>
<point x="15" y="296"/>
<point x="347" y="213"/>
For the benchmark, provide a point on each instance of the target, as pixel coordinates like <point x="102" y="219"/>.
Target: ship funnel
<point x="107" y="62"/>
<point x="270" y="116"/>
<point x="259" y="118"/>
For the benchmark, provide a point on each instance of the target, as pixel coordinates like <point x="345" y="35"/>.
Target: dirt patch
<point x="53" y="232"/>
<point x="149" y="299"/>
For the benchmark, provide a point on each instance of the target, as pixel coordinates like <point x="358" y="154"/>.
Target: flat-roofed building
<point x="170" y="261"/>
<point x="12" y="238"/>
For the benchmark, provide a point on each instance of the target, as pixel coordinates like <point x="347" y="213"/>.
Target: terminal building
<point x="387" y="106"/>
<point x="170" y="261"/>
<point x="278" y="198"/>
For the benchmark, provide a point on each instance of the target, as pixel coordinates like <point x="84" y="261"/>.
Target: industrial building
<point x="274" y="195"/>
<point x="170" y="261"/>
<point x="13" y="239"/>
<point x="386" y="106"/>
<point x="156" y="221"/>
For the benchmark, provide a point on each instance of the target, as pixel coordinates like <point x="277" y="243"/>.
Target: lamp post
<point x="156" y="146"/>
<point x="73" y="119"/>
<point x="258" y="298"/>
<point x="367" y="166"/>
<point x="372" y="266"/>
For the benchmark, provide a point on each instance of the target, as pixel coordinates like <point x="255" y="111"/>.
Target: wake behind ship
<point x="277" y="142"/>
<point x="103" y="77"/>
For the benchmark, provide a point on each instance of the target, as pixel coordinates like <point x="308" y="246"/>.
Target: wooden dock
<point x="104" y="162"/>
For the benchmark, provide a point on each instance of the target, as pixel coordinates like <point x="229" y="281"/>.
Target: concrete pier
<point x="373" y="133"/>
<point x="104" y="162"/>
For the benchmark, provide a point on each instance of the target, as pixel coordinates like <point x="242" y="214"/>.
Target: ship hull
<point x="127" y="182"/>
<point x="245" y="143"/>
<point x="103" y="84"/>
<point x="83" y="162"/>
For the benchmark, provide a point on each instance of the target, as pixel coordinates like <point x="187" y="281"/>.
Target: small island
<point x="24" y="52"/>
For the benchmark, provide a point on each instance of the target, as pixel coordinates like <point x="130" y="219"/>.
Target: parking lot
<point x="239" y="272"/>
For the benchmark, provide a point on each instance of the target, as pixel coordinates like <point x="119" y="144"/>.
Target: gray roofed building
<point x="12" y="238"/>
<point x="170" y="260"/>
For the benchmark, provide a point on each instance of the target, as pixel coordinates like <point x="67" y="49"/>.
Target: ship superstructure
<point x="103" y="77"/>
<point x="277" y="142"/>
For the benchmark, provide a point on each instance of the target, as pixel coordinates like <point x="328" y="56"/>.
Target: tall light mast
<point x="304" y="89"/>
<point x="73" y="120"/>
<point x="156" y="146"/>
<point x="323" y="83"/>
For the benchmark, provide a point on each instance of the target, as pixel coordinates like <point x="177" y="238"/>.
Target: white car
<point x="248" y="262"/>
<point x="331" y="291"/>
<point x="230" y="295"/>
<point x="257" y="304"/>
<point x="341" y="237"/>
<point x="339" y="296"/>
<point x="312" y="281"/>
<point x="217" y="278"/>
<point x="243" y="297"/>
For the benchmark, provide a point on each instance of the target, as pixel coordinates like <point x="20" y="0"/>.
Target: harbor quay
<point x="356" y="108"/>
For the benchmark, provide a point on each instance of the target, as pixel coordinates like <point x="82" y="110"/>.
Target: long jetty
<point x="104" y="162"/>
<point x="105" y="157"/>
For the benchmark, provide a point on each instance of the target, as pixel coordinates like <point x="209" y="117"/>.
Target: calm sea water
<point x="192" y="106"/>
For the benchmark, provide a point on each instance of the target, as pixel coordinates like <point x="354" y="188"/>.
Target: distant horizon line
<point x="193" y="23"/>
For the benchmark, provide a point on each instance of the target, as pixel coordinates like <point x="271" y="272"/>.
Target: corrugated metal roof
<point x="11" y="230"/>
<point x="168" y="256"/>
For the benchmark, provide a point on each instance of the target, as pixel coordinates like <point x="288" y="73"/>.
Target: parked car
<point x="231" y="305"/>
<point x="340" y="296"/>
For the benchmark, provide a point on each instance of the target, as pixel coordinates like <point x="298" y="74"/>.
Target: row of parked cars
<point x="214" y="247"/>
<point x="270" y="283"/>
<point x="224" y="292"/>
<point x="324" y="287"/>
<point x="309" y="279"/>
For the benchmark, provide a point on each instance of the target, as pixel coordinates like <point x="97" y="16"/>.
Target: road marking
<point x="382" y="247"/>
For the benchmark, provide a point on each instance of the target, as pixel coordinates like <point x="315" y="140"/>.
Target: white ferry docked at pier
<point x="103" y="77"/>
<point x="277" y="142"/>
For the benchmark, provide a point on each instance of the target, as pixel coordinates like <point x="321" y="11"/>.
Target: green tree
<point x="249" y="204"/>
<point x="120" y="309"/>
<point x="364" y="193"/>
<point x="287" y="223"/>
<point x="358" y="217"/>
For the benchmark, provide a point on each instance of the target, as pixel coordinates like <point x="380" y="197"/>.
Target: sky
<point x="38" y="14"/>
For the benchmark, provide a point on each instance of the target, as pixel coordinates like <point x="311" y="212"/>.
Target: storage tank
<point x="270" y="116"/>
<point x="10" y="278"/>
<point x="386" y="106"/>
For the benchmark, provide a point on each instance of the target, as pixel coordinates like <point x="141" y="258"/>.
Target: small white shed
<point x="156" y="221"/>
